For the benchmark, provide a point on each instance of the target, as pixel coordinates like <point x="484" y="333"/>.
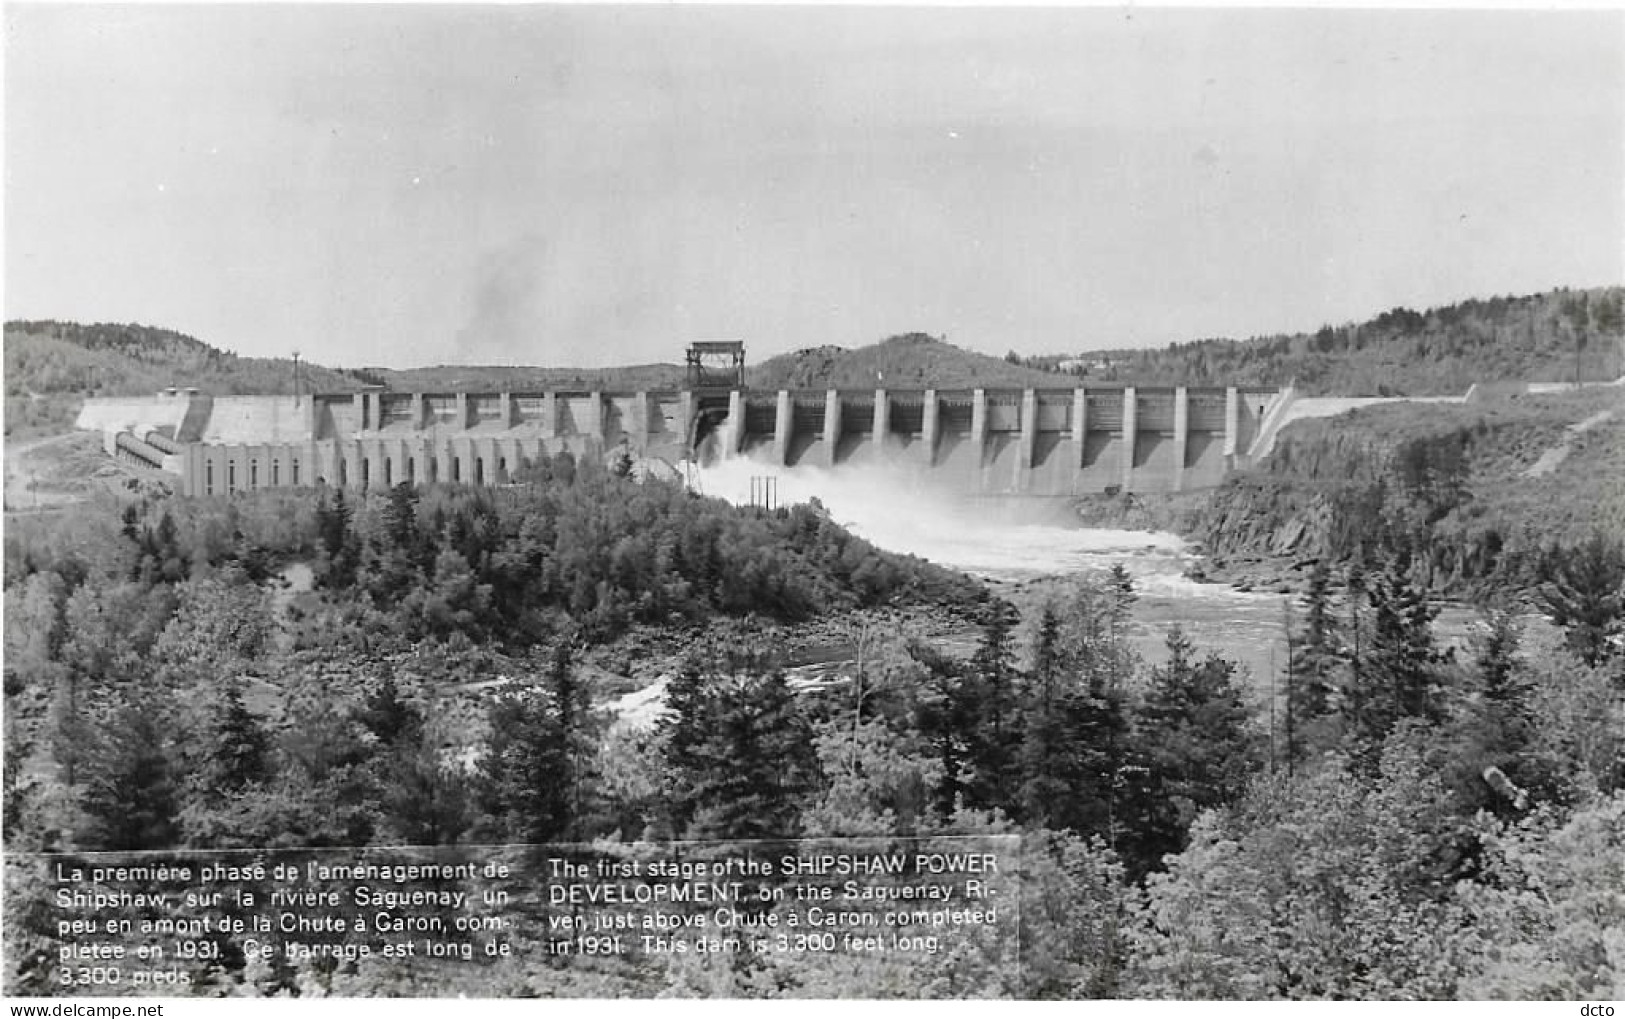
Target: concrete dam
<point x="1003" y="441"/>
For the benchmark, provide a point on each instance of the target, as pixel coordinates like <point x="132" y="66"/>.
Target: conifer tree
<point x="939" y="714"/>
<point x="131" y="797"/>
<point x="519" y="787"/>
<point x="425" y="798"/>
<point x="1043" y="728"/>
<point x="1191" y="736"/>
<point x="1073" y="754"/>
<point x="1583" y="590"/>
<point x="1502" y="679"/>
<point x="1120" y="598"/>
<point x="739" y="750"/>
<point x="387" y="715"/>
<point x="682" y="738"/>
<point x="1120" y="588"/>
<point x="988" y="695"/>
<point x="1314" y="667"/>
<point x="760" y="763"/>
<point x="335" y="531"/>
<point x="571" y="705"/>
<point x="236" y="751"/>
<point x="1495" y="729"/>
<point x="400" y="516"/>
<point x="1399" y="677"/>
<point x="1075" y="716"/>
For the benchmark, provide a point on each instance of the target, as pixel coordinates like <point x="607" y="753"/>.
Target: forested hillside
<point x="914" y="360"/>
<point x="52" y="366"/>
<point x="439" y="666"/>
<point x="1378" y="830"/>
<point x="1457" y="486"/>
<point x="1402" y="352"/>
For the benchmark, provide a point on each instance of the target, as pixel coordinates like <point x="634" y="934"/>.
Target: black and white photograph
<point x="906" y="503"/>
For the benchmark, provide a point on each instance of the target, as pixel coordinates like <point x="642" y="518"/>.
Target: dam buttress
<point x="998" y="441"/>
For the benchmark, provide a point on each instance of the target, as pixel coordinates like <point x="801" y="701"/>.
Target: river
<point x="1015" y="544"/>
<point x="1014" y="547"/>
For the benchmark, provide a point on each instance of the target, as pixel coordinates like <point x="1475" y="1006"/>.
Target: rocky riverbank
<point x="1241" y="536"/>
<point x="1478" y="495"/>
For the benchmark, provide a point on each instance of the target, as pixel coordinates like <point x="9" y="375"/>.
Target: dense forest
<point x="1538" y="338"/>
<point x="1397" y="822"/>
<point x="301" y="668"/>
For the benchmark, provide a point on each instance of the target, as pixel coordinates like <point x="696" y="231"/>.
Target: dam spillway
<point x="994" y="441"/>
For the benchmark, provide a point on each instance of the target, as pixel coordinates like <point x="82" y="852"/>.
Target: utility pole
<point x="296" y="378"/>
<point x="1274" y="695"/>
<point x="1291" y="679"/>
<point x="1574" y="322"/>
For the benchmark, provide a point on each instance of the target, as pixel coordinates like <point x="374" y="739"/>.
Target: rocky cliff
<point x="1453" y="486"/>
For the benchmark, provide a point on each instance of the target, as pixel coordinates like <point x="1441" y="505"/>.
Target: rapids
<point x="1012" y="542"/>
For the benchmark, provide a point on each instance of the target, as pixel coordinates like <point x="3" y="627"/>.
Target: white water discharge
<point x="1016" y="539"/>
<point x="1001" y="539"/>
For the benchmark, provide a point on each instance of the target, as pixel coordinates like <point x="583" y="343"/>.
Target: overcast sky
<point x="598" y="185"/>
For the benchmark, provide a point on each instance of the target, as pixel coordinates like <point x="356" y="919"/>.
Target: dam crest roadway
<point x="992" y="441"/>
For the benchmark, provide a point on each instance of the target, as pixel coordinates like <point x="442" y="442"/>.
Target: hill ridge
<point x="52" y="365"/>
<point x="1399" y="352"/>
